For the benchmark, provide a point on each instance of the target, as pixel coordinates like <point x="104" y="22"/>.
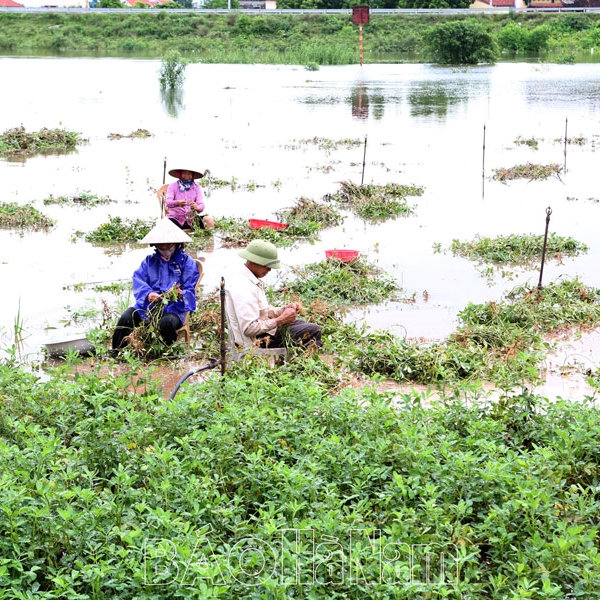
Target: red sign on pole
<point x="360" y="15"/>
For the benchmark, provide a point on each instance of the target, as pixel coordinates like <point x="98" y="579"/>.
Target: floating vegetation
<point x="561" y="304"/>
<point x="112" y="287"/>
<point x="516" y="249"/>
<point x="497" y="341"/>
<point x="18" y="142"/>
<point x="307" y="216"/>
<point x="574" y="141"/>
<point x="237" y="232"/>
<point x="377" y="202"/>
<point x="531" y="142"/>
<point x="343" y="283"/>
<point x="324" y="143"/>
<point x="304" y="221"/>
<point x="85" y="199"/>
<point x="138" y="133"/>
<point x="528" y="171"/>
<point x="120" y="230"/>
<point x="13" y="216"/>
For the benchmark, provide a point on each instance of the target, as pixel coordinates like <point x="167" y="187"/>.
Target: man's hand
<point x="297" y="306"/>
<point x="287" y="316"/>
<point x="154" y="297"/>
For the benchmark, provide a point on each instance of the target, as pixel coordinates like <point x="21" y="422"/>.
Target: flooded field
<point x="277" y="134"/>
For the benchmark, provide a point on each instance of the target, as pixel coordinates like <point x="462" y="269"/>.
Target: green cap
<point x="262" y="253"/>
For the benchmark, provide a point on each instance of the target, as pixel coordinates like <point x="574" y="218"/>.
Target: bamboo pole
<point x="548" y="213"/>
<point x="565" y="150"/>
<point x="483" y="167"/>
<point x="362" y="179"/>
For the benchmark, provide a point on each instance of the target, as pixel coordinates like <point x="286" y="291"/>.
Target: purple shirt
<point x="184" y="213"/>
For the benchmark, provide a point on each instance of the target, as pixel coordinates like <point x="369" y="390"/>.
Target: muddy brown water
<point x="262" y="128"/>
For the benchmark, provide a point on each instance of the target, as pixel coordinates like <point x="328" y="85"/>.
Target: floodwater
<point x="442" y="128"/>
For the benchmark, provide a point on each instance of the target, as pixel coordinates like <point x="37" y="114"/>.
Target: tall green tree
<point x="461" y="43"/>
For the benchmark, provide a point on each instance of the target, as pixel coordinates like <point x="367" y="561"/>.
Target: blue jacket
<point x="156" y="275"/>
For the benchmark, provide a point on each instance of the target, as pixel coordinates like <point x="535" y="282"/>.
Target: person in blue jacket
<point x="166" y="273"/>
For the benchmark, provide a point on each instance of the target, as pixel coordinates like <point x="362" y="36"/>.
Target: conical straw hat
<point x="177" y="173"/>
<point x="165" y="232"/>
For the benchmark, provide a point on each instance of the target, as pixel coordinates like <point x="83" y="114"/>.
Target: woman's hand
<point x="182" y="202"/>
<point x="154" y="297"/>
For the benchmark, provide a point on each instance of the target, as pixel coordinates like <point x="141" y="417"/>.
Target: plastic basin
<point x="260" y="223"/>
<point x="343" y="255"/>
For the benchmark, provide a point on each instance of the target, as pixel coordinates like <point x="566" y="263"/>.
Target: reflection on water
<point x="247" y="124"/>
<point x="430" y="99"/>
<point x="172" y="101"/>
<point x="360" y="102"/>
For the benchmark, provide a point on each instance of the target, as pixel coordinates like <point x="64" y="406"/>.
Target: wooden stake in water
<point x="364" y="159"/>
<point x="565" y="150"/>
<point x="548" y="213"/>
<point x="164" y="169"/>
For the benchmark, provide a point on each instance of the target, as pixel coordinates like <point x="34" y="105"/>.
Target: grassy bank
<point x="285" y="39"/>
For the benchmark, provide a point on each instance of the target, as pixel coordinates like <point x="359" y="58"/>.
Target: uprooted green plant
<point x="377" y="202"/>
<point x="497" y="341"/>
<point x="14" y="216"/>
<point x="119" y="229"/>
<point x="307" y="217"/>
<point x="527" y="171"/>
<point x="237" y="232"/>
<point x="85" y="199"/>
<point x="145" y="341"/>
<point x="342" y="283"/>
<point x="18" y="141"/>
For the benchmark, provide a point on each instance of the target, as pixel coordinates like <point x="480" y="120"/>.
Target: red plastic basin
<point x="343" y="255"/>
<point x="259" y="224"/>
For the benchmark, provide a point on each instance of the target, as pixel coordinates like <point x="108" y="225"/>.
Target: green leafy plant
<point x="172" y="71"/>
<point x="120" y="229"/>
<point x="516" y="249"/>
<point x="527" y="171"/>
<point x="13" y="216"/>
<point x="18" y="141"/>
<point x="85" y="199"/>
<point x="342" y="283"/>
<point x="376" y="202"/>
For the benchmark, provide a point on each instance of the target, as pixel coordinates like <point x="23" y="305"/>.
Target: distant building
<point x="493" y="4"/>
<point x="9" y="4"/>
<point x="54" y="3"/>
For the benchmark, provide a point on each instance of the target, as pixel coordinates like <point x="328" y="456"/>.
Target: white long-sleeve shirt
<point x="248" y="310"/>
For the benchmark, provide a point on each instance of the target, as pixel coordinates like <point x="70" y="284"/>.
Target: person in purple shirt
<point x="167" y="269"/>
<point x="185" y="200"/>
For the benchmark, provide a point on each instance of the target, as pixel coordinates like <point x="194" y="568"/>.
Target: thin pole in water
<point x="360" y="38"/>
<point x="565" y="150"/>
<point x="548" y="213"/>
<point x="364" y="162"/>
<point x="164" y="169"/>
<point x="222" y="333"/>
<point x="483" y="167"/>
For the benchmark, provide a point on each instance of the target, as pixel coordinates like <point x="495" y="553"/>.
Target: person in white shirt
<point x="252" y="319"/>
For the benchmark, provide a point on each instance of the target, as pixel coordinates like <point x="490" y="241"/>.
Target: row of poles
<point x="548" y="210"/>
